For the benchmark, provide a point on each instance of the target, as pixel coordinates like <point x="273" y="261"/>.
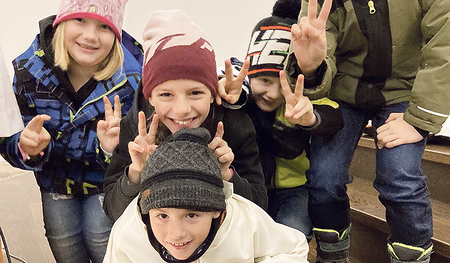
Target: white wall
<point x="228" y="23"/>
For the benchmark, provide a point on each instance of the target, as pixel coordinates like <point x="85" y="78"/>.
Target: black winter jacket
<point x="239" y="133"/>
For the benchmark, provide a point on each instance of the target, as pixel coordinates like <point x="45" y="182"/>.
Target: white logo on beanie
<point x="177" y="40"/>
<point x="268" y="47"/>
<point x="207" y="46"/>
<point x="176" y="48"/>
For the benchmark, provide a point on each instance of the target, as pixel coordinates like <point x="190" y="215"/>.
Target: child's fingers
<point x="215" y="143"/>
<point x="226" y="158"/>
<point x="228" y="70"/>
<point x="218" y="99"/>
<point x="221" y="91"/>
<point x="135" y="148"/>
<point x="150" y="148"/>
<point x="394" y="116"/>
<point x="296" y="32"/>
<point x="220" y="130"/>
<point x="108" y="108"/>
<point x="117" y="107"/>
<point x="44" y="136"/>
<point x="301" y="109"/>
<point x="244" y="71"/>
<point x="102" y="126"/>
<point x="312" y="10"/>
<point x="286" y="89"/>
<point x="113" y="131"/>
<point x="324" y="12"/>
<point x="299" y="86"/>
<point x="37" y="122"/>
<point x="27" y="142"/>
<point x="153" y="129"/>
<point x="142" y="125"/>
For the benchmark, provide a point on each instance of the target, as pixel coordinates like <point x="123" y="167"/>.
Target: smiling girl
<point x="64" y="85"/>
<point x="178" y="90"/>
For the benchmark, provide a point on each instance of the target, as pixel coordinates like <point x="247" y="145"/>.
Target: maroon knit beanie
<point x="175" y="48"/>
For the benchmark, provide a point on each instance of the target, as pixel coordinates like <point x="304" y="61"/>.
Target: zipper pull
<point x="372" y="9"/>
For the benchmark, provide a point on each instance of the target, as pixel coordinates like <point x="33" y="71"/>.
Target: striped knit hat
<point x="109" y="12"/>
<point x="269" y="44"/>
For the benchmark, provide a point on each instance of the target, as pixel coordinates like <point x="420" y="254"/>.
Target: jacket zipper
<point x="371" y="5"/>
<point x="72" y="116"/>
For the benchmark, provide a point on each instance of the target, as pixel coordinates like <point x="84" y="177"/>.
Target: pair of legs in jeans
<point x="289" y="206"/>
<point x="77" y="229"/>
<point x="399" y="180"/>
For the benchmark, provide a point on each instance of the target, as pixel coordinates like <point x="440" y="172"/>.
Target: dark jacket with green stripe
<point x="73" y="162"/>
<point x="283" y="147"/>
<point x="400" y="52"/>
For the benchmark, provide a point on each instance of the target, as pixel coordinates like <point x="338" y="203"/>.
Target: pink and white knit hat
<point x="176" y="48"/>
<point x="109" y="12"/>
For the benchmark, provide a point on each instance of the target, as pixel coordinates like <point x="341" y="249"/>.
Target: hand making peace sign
<point x="108" y="130"/>
<point x="230" y="88"/>
<point x="309" y="38"/>
<point x="142" y="146"/>
<point x="299" y="109"/>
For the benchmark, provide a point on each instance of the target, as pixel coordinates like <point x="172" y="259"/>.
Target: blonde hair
<point x="107" y="67"/>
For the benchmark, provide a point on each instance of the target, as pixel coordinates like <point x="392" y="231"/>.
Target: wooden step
<point x="368" y="214"/>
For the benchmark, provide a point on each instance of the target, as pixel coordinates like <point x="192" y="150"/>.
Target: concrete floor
<point x="21" y="215"/>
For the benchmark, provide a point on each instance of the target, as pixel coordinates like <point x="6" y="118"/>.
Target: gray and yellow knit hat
<point x="183" y="173"/>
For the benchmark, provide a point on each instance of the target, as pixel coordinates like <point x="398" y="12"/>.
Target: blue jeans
<point x="77" y="229"/>
<point x="290" y="207"/>
<point x="399" y="179"/>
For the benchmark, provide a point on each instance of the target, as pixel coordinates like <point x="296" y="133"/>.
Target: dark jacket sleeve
<point x="248" y="178"/>
<point x="329" y="118"/>
<point x="119" y="190"/>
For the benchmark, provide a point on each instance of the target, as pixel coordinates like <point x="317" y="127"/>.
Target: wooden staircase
<point x="368" y="239"/>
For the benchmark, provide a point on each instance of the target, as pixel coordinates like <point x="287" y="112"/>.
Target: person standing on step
<point x="388" y="62"/>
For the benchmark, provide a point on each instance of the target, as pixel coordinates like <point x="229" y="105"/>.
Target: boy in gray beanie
<point x="185" y="212"/>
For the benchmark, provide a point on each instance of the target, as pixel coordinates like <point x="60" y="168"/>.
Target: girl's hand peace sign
<point x="299" y="109"/>
<point x="108" y="130"/>
<point x="142" y="146"/>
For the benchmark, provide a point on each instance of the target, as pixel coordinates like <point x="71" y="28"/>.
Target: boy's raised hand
<point x="142" y="146"/>
<point x="108" y="129"/>
<point x="309" y="38"/>
<point x="35" y="138"/>
<point x="299" y="109"/>
<point x="230" y="88"/>
<point x="224" y="154"/>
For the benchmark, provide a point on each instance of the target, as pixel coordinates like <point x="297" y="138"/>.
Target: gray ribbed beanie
<point x="183" y="173"/>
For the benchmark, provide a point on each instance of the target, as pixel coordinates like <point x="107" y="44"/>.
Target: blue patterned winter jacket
<point x="73" y="163"/>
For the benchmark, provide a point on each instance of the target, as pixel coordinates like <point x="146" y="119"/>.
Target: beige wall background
<point x="228" y="23"/>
